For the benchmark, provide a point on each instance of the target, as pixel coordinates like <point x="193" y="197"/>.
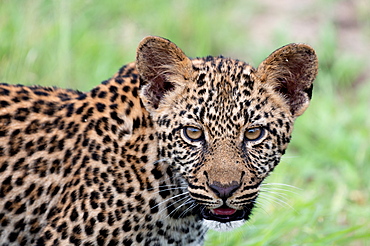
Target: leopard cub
<point x="158" y="154"/>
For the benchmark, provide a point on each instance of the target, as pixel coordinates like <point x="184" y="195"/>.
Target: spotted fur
<point x="118" y="165"/>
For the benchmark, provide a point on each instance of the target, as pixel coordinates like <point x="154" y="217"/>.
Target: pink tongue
<point x="224" y="211"/>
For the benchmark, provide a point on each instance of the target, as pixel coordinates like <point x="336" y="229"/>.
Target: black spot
<point x="135" y="92"/>
<point x="200" y="80"/>
<point x="113" y="242"/>
<point x="70" y="109"/>
<point x="104" y="233"/>
<point x="81" y="97"/>
<point x="139" y="237"/>
<point x="3" y="133"/>
<point x="21" y="114"/>
<point x="153" y="206"/>
<point x="19" y="181"/>
<point x="157" y="173"/>
<point x="115" y="117"/>
<point x="107" y="139"/>
<point x="21" y="209"/>
<point x="144" y="159"/>
<point x="123" y="98"/>
<point x="50" y="110"/>
<point x="126" y="226"/>
<point x="13" y="236"/>
<point x="95" y="156"/>
<point x="102" y="94"/>
<point x="100" y="107"/>
<point x="126" y="88"/>
<point x="4" y="104"/>
<point x="114" y="97"/>
<point x="136" y="123"/>
<point x="3" y="166"/>
<point x="75" y="240"/>
<point x="101" y="217"/>
<point x="40" y="93"/>
<point x="82" y="108"/>
<point x="129" y="191"/>
<point x="77" y="229"/>
<point x="4" y="92"/>
<point x="127" y="242"/>
<point x="88" y="114"/>
<point x="202" y="92"/>
<point x="89" y="227"/>
<point x="33" y="127"/>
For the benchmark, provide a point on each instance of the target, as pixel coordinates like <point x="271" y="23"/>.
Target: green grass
<point x="80" y="43"/>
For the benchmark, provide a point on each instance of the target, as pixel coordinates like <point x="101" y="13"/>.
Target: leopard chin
<point x="223" y="226"/>
<point x="225" y="218"/>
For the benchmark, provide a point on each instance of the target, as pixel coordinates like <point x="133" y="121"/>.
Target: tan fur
<point x="115" y="166"/>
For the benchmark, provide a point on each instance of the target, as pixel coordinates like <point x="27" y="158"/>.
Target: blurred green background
<point x="82" y="42"/>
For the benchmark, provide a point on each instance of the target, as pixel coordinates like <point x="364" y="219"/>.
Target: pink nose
<point x="224" y="191"/>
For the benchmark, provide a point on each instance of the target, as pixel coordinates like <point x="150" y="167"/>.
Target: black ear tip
<point x="298" y="46"/>
<point x="309" y="91"/>
<point x="153" y="42"/>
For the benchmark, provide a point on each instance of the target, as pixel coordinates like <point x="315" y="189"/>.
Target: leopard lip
<point x="223" y="211"/>
<point x="224" y="214"/>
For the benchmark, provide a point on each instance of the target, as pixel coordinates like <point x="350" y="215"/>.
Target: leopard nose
<point x="224" y="191"/>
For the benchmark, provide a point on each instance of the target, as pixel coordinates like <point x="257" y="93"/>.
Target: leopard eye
<point x="254" y="134"/>
<point x="193" y="133"/>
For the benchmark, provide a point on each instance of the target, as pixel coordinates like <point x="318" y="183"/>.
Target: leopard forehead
<point x="221" y="74"/>
<point x="223" y="96"/>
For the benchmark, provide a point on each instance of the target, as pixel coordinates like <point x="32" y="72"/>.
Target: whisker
<point x="265" y="201"/>
<point x="193" y="205"/>
<point x="161" y="186"/>
<point x="182" y="194"/>
<point x="276" y="190"/>
<point x="174" y="188"/>
<point x="163" y="209"/>
<point x="177" y="208"/>
<point x="275" y="200"/>
<point x="278" y="194"/>
<point x="261" y="205"/>
<point x="281" y="184"/>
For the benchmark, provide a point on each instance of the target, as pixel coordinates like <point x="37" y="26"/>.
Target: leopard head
<point x="223" y="125"/>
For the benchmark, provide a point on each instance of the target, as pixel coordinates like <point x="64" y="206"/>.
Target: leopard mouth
<point x="226" y="214"/>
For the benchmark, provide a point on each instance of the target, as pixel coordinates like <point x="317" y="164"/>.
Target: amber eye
<point x="193" y="133"/>
<point x="254" y="134"/>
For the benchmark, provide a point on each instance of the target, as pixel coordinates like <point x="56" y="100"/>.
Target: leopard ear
<point x="163" y="66"/>
<point x="291" y="71"/>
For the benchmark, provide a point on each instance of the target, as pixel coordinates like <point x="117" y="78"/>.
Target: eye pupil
<point x="254" y="134"/>
<point x="193" y="133"/>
